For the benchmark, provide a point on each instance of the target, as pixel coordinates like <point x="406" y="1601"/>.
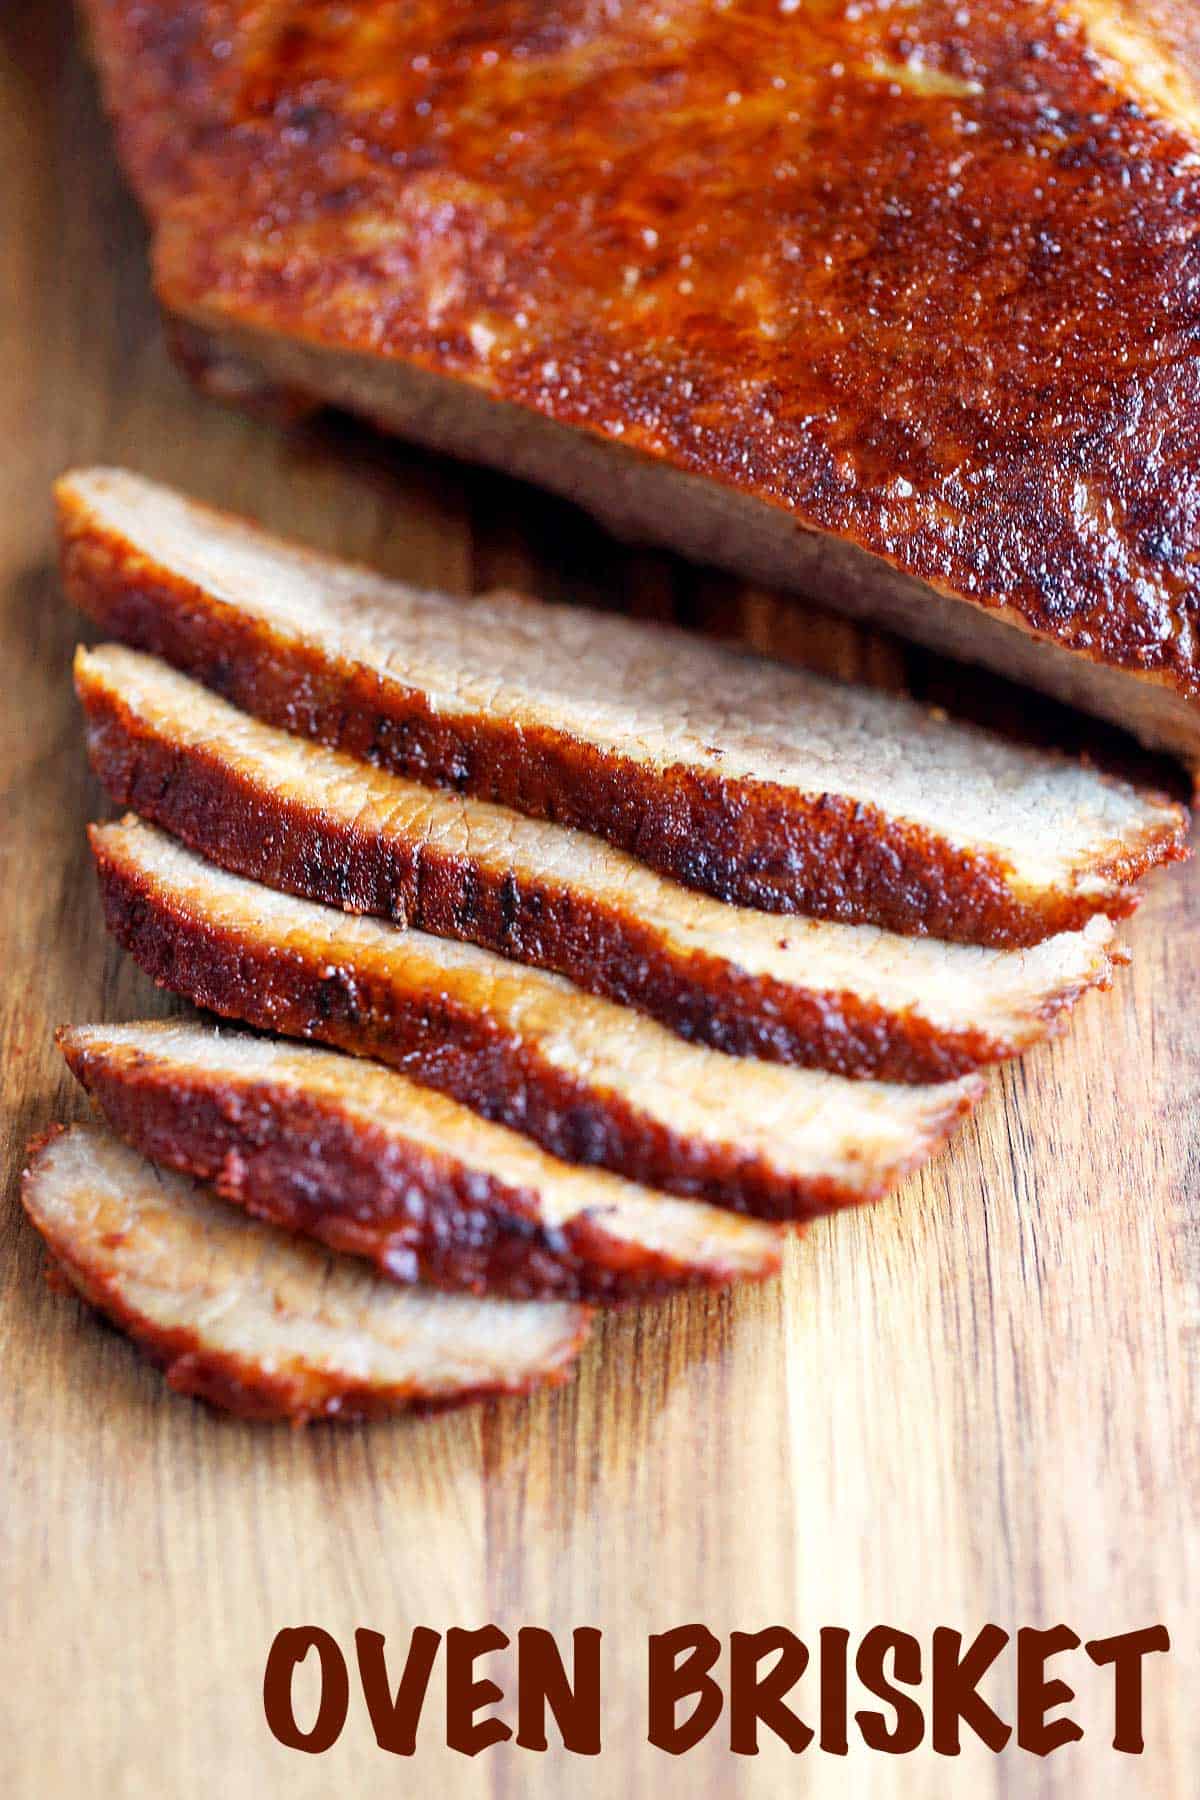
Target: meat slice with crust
<point x="591" y="1081"/>
<point x="264" y="1323"/>
<point x="374" y="1164"/>
<point x="759" y="783"/>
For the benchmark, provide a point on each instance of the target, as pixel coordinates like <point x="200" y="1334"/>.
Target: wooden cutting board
<point x="975" y="1403"/>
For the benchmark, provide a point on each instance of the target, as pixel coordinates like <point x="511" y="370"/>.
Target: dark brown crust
<point x="236" y="1386"/>
<point x="750" y="843"/>
<point x="446" y="1046"/>
<point x="302" y="1162"/>
<point x="281" y="841"/>
<point x="980" y="363"/>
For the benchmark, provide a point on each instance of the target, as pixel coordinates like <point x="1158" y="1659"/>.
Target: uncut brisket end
<point x="893" y="307"/>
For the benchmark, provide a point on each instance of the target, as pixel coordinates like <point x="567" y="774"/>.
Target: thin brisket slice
<point x="371" y="1163"/>
<point x="591" y="1081"/>
<point x="317" y="823"/>
<point x="262" y="1322"/>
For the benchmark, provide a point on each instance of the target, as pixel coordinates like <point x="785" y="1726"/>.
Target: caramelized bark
<point x="918" y="278"/>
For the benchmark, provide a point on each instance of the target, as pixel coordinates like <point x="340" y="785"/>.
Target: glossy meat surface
<point x="925" y="277"/>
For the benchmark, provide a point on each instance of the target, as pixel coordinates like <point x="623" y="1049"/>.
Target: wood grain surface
<point x="977" y="1402"/>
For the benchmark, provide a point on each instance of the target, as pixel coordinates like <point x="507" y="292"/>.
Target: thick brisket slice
<point x="753" y="781"/>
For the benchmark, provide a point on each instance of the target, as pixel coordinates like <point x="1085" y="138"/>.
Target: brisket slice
<point x="373" y="1164"/>
<point x="315" y="822"/>
<point x="591" y="1081"/>
<point x="756" y="782"/>
<point x="262" y="1322"/>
